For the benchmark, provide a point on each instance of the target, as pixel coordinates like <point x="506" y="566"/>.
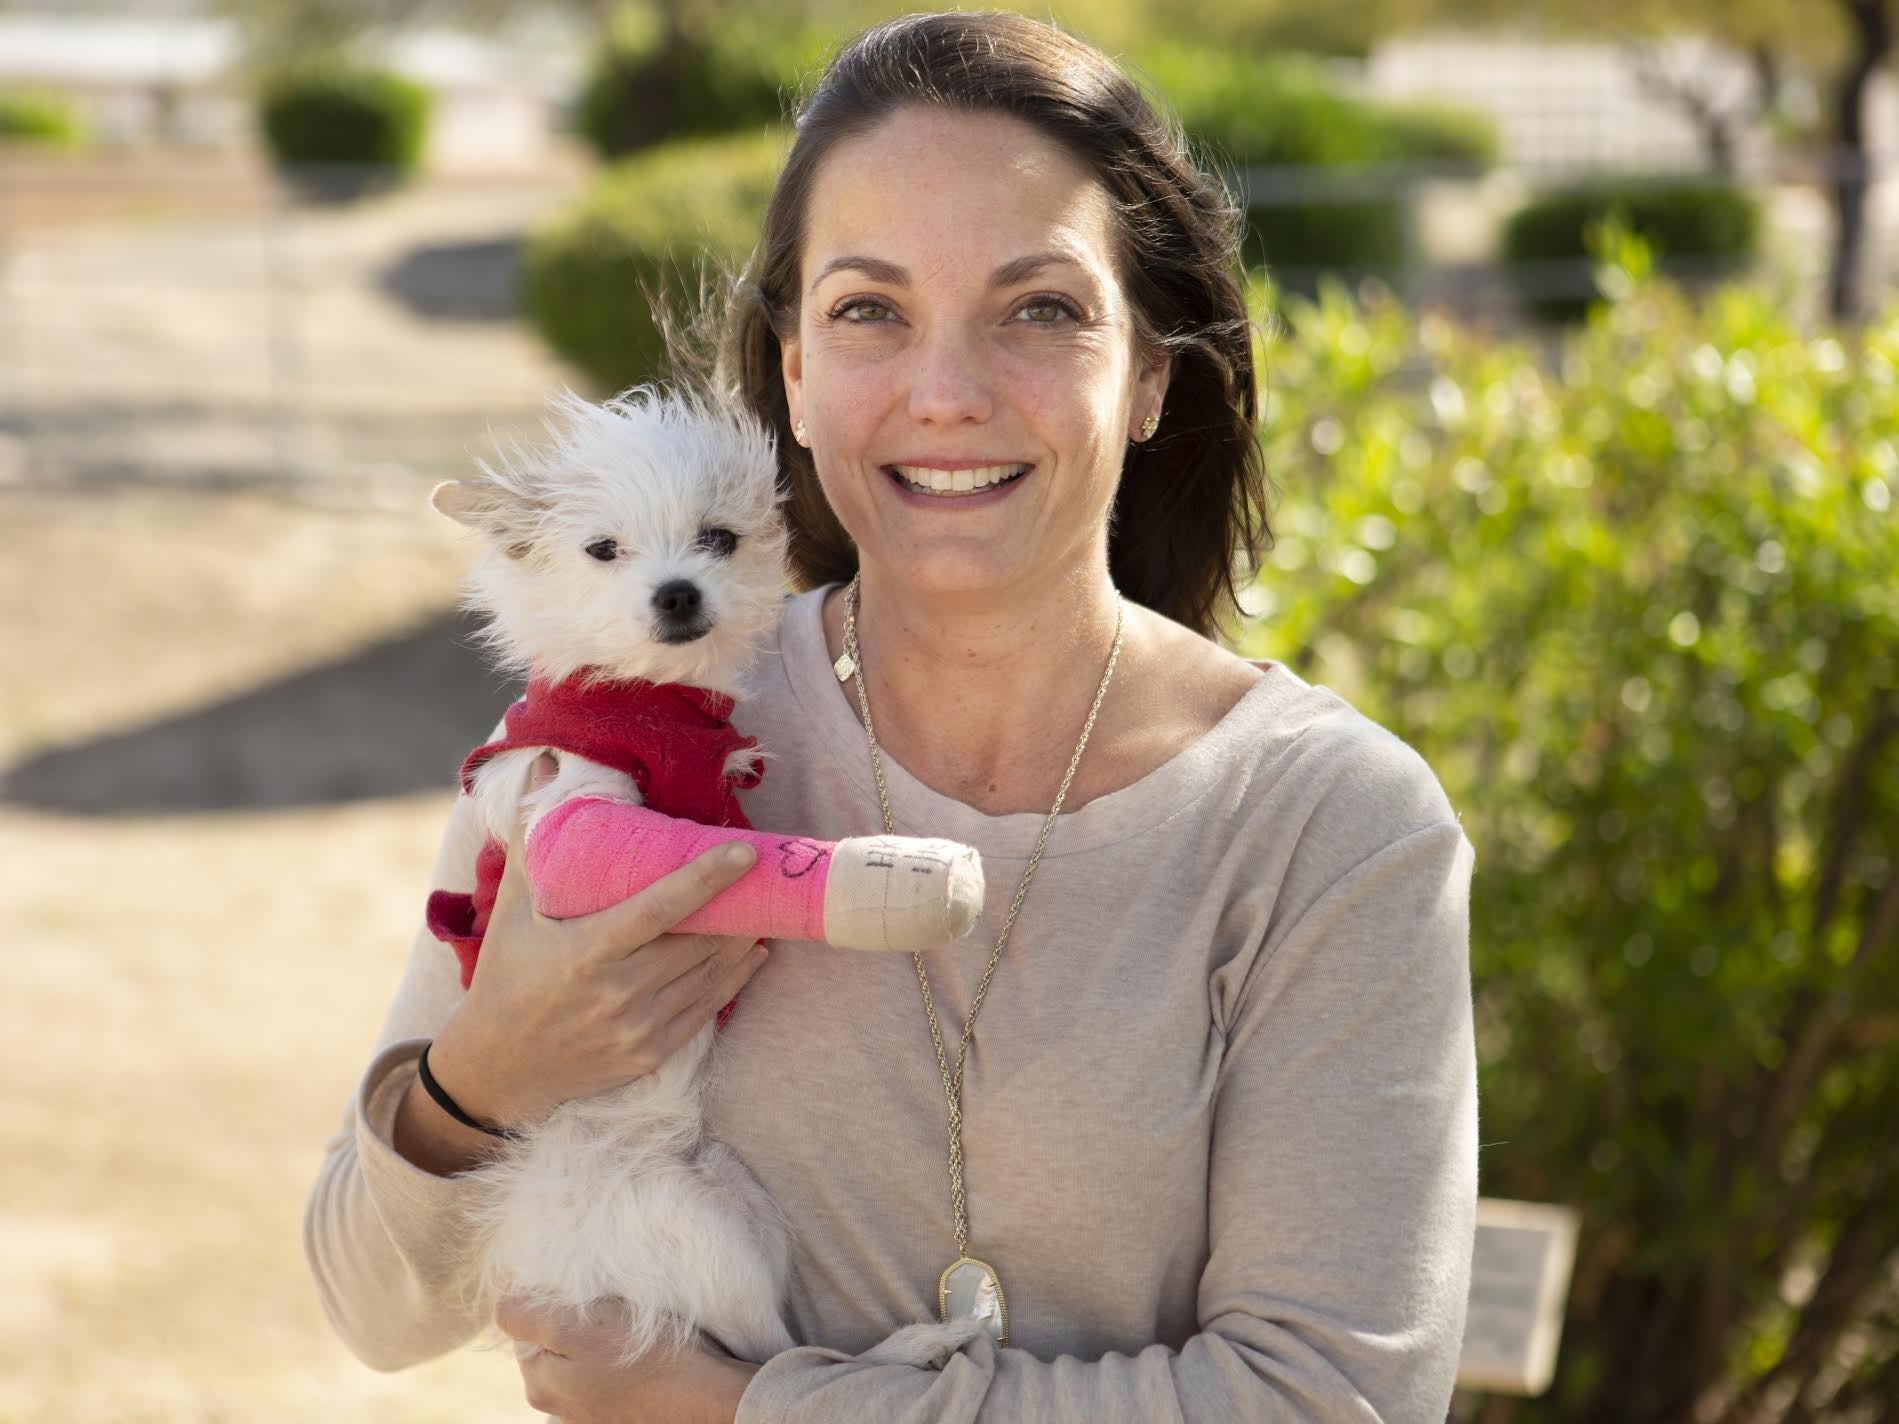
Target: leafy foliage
<point x="1289" y="114"/>
<point x="44" y="120"/>
<point x="324" y="116"/>
<point x="1704" y="227"/>
<point x="1641" y="615"/>
<point x="593" y="278"/>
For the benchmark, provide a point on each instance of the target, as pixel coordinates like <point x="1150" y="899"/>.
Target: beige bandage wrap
<point x="901" y="892"/>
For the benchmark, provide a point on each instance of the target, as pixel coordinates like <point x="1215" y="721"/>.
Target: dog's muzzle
<point x="679" y="612"/>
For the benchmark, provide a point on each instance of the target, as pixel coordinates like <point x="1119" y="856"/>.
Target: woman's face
<point x="965" y="361"/>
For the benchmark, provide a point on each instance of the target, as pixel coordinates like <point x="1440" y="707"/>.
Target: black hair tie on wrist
<point x="454" y="1109"/>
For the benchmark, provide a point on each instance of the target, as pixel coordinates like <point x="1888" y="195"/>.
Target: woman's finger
<point x="688" y="1004"/>
<point x="672" y="956"/>
<point x="691" y="965"/>
<point x="621" y="930"/>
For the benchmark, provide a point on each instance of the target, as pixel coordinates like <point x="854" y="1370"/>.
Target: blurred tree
<point x="689" y="67"/>
<point x="1709" y="96"/>
<point x="279" y="32"/>
<point x="1870" y="24"/>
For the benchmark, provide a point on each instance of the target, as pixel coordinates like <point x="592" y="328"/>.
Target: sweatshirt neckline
<point x="920" y="810"/>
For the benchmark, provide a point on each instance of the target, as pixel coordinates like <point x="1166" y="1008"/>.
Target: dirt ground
<point x="189" y="997"/>
<point x="198" y="950"/>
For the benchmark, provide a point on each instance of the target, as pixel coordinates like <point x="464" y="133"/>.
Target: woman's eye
<point x="1046" y="311"/>
<point x="718" y="542"/>
<point x="854" y="312"/>
<point x="605" y="550"/>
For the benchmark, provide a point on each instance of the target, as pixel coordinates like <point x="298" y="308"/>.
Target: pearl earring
<point x="798" y="434"/>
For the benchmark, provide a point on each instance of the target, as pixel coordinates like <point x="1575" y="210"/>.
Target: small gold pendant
<point x="844" y="667"/>
<point x="971" y="1290"/>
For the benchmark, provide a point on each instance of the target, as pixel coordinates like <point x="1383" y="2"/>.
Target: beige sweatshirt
<point x="1220" y="1109"/>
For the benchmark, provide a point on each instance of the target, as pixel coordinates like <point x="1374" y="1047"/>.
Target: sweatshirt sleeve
<point x="1342" y="1197"/>
<point x="386" y="1240"/>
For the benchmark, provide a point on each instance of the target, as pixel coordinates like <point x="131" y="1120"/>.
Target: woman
<point x="1214" y="1145"/>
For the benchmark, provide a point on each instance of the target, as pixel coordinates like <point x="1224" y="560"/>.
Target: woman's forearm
<point x="434" y="1141"/>
<point x="386" y="1238"/>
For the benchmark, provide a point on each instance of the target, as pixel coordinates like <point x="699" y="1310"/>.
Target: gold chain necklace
<point x="968" y="1289"/>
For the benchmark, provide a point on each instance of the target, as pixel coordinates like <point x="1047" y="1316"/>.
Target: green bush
<point x="1638" y="609"/>
<point x="1441" y="134"/>
<point x="44" y="120"/>
<point x="590" y="277"/>
<point x="1701" y="227"/>
<point x="644" y="88"/>
<point x="337" y="129"/>
<point x="1290" y="114"/>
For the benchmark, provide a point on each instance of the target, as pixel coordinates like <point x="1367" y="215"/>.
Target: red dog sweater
<point x="671" y="739"/>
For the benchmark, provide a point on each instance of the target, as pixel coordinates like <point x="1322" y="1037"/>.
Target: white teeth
<point x="956" y="481"/>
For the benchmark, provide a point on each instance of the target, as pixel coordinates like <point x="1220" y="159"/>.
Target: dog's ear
<point x="490" y="508"/>
<point x="479" y="504"/>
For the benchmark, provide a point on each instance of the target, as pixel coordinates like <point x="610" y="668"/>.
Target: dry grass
<point x="188" y="999"/>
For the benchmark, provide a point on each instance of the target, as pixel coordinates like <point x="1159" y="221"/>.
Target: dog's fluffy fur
<point x="621" y="1195"/>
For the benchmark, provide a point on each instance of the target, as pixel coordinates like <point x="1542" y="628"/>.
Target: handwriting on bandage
<point x="883" y="854"/>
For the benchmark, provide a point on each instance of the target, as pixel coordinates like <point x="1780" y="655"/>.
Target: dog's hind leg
<point x="743" y="1259"/>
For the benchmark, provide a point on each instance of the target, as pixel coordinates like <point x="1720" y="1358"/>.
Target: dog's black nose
<point x="677" y="600"/>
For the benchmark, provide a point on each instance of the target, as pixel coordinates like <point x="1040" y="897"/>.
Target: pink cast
<point x="589" y="853"/>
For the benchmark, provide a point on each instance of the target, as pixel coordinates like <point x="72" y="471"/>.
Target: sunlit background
<point x="1580" y="330"/>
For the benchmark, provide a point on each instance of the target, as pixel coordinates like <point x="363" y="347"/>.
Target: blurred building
<point x="175" y="80"/>
<point x="133" y="79"/>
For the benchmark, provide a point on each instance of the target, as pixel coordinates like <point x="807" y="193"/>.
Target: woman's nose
<point x="950" y="381"/>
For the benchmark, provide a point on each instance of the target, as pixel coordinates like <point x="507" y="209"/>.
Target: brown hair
<point x="1192" y="500"/>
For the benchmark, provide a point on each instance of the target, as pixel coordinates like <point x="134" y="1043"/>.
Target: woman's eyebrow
<point x="1018" y="269"/>
<point x="874" y="268"/>
<point x="1023" y="268"/>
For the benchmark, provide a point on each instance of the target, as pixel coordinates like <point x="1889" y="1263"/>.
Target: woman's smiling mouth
<point x="936" y="482"/>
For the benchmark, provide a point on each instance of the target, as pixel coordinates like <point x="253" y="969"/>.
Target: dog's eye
<point x="605" y="550"/>
<point x="718" y="542"/>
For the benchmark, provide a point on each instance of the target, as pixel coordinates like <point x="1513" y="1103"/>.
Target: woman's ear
<point x="1150" y="393"/>
<point x="791" y="367"/>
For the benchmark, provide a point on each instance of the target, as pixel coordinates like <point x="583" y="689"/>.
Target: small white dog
<point x="645" y="544"/>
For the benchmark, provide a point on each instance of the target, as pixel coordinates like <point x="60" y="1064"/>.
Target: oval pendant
<point x="971" y="1290"/>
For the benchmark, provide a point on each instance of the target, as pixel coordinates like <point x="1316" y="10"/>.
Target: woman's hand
<point x="572" y="1371"/>
<point x="562" y="1009"/>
